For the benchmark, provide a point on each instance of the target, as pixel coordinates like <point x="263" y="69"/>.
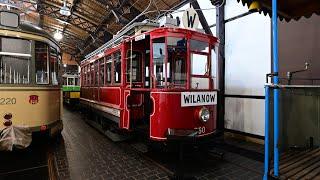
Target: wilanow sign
<point x="198" y="98"/>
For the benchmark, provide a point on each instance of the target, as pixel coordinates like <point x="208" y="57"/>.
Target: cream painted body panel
<point x="46" y="111"/>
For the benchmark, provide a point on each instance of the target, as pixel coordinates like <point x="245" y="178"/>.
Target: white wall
<point x="248" y="60"/>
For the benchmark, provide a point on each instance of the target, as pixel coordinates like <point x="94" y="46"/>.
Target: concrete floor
<point x="84" y="153"/>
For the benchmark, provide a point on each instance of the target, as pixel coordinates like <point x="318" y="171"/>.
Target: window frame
<point x="140" y="66"/>
<point x="114" y="83"/>
<point x="19" y="55"/>
<point x="48" y="63"/>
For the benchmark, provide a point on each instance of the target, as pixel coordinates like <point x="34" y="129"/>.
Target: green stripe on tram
<point x="70" y="88"/>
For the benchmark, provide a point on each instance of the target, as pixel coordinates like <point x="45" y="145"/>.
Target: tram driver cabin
<point x="160" y="79"/>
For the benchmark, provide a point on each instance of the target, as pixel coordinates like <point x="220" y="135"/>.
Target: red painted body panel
<point x="110" y="95"/>
<point x="168" y="113"/>
<point x="132" y="100"/>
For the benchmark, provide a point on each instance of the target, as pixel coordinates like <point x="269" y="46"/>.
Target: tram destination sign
<point x="198" y="98"/>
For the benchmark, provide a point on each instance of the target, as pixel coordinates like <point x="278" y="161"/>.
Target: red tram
<point x="159" y="79"/>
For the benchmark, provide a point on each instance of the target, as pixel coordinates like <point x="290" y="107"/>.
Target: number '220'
<point x="8" y="101"/>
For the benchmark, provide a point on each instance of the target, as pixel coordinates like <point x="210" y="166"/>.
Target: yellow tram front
<point x="30" y="93"/>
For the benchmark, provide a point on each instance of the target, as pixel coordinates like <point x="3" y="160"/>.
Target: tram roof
<point x="161" y="31"/>
<point x="288" y="9"/>
<point x="29" y="28"/>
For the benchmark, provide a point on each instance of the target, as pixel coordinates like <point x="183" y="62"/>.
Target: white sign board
<point x="198" y="98"/>
<point x="190" y="18"/>
<point x="140" y="37"/>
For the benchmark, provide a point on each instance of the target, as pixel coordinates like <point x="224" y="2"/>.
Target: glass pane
<point x="199" y="46"/>
<point x="14" y="70"/>
<point x="15" y="46"/>
<point x="117" y="67"/>
<point x="42" y="65"/>
<point x="91" y="74"/>
<point x="15" y="59"/>
<point x="65" y="81"/>
<point x="136" y="66"/>
<point x="76" y="81"/>
<point x="177" y="55"/>
<point x="54" y="66"/>
<point x="102" y="71"/>
<point x="70" y="81"/>
<point x="108" y="69"/>
<point x="199" y="64"/>
<point x="96" y="76"/>
<point x="158" y="60"/>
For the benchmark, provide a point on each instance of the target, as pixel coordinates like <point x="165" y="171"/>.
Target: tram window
<point x="70" y="81"/>
<point x="91" y="74"/>
<point x="199" y="46"/>
<point x="136" y="66"/>
<point x="199" y="64"/>
<point x="96" y="73"/>
<point x="54" y="66"/>
<point x="76" y="81"/>
<point x="88" y="75"/>
<point x="117" y="67"/>
<point x="42" y="65"/>
<point x="15" y="60"/>
<point x="158" y="60"/>
<point x="177" y="55"/>
<point x="102" y="71"/>
<point x="108" y="69"/>
<point x="83" y="76"/>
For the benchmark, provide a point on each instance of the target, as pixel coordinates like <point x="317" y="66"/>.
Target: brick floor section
<point x="84" y="153"/>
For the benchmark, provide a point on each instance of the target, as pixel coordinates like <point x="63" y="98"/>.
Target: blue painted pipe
<point x="276" y="91"/>
<point x="266" y="134"/>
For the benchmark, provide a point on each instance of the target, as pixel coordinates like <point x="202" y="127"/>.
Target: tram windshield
<point x="176" y="66"/>
<point x="15" y="61"/>
<point x="171" y="62"/>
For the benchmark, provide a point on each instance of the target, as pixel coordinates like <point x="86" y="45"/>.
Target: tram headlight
<point x="204" y="114"/>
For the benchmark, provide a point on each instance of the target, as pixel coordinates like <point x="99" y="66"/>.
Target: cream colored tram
<point x="30" y="92"/>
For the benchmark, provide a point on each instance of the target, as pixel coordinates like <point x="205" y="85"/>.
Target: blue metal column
<point x="276" y="91"/>
<point x="266" y="135"/>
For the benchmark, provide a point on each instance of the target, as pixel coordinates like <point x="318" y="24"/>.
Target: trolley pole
<point x="275" y="81"/>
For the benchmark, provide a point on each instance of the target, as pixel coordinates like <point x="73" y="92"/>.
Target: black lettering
<point x="207" y="98"/>
<point x="213" y="98"/>
<point x="186" y="99"/>
<point x="198" y="99"/>
<point x="203" y="98"/>
<point x="191" y="19"/>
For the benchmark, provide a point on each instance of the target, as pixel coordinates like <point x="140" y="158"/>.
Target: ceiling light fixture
<point x="65" y="10"/>
<point x="58" y="35"/>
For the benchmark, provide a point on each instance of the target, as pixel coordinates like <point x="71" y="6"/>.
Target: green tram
<point x="71" y="88"/>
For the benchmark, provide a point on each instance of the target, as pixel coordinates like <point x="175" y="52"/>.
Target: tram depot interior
<point x="159" y="89"/>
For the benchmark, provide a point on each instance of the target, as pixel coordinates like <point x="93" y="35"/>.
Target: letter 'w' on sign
<point x="190" y="19"/>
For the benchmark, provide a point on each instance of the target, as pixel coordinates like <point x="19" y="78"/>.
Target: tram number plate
<point x="8" y="101"/>
<point x="201" y="130"/>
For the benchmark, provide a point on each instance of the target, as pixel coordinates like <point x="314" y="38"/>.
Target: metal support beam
<point x="202" y="18"/>
<point x="275" y="81"/>
<point x="221" y="64"/>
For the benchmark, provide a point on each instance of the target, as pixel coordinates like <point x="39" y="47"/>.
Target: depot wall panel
<point x="245" y="115"/>
<point x="248" y="55"/>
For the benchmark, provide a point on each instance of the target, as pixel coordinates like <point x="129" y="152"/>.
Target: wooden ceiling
<point x="92" y="22"/>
